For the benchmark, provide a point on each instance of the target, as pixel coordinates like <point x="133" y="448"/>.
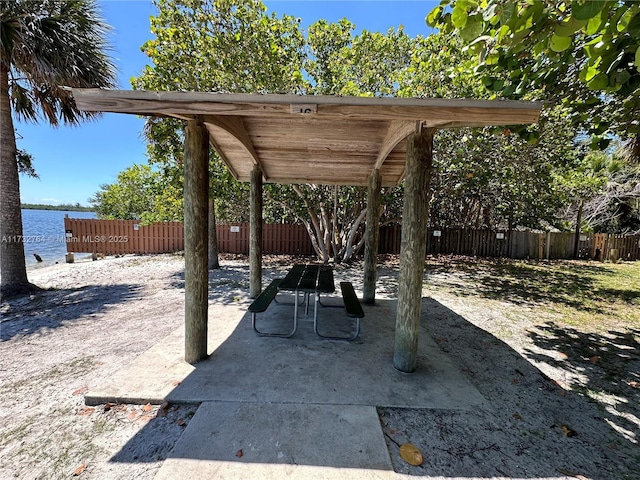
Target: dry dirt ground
<point x="553" y="412"/>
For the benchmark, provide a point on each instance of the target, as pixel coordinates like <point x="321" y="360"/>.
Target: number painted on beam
<point x="303" y="108"/>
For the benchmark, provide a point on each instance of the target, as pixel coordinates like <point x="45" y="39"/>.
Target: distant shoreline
<point x="68" y="208"/>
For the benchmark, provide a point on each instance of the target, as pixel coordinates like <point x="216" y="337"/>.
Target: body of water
<point x="43" y="232"/>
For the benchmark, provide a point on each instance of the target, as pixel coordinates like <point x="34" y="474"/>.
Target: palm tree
<point x="44" y="45"/>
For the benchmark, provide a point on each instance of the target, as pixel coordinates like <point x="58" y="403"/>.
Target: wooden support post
<point x="412" y="249"/>
<point x="196" y="272"/>
<point x="372" y="235"/>
<point x="255" y="234"/>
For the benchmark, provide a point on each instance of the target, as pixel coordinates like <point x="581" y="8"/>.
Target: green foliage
<point x="140" y="193"/>
<point x="368" y="64"/>
<point x="436" y="70"/>
<point x="218" y="47"/>
<point x="62" y="207"/>
<point x="609" y="187"/>
<point x="487" y="177"/>
<point x="25" y="164"/>
<point x="222" y="46"/>
<point x="582" y="54"/>
<point x="47" y="44"/>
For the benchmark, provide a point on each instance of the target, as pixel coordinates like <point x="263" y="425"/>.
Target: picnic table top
<point x="309" y="278"/>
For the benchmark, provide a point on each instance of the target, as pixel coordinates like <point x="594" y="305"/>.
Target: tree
<point x="486" y="177"/>
<point x="582" y="54"/>
<point x="339" y="63"/>
<point x="222" y="46"/>
<point x="140" y="193"/>
<point x="25" y="164"/>
<point x="215" y="46"/>
<point x="45" y="44"/>
<point x="605" y="194"/>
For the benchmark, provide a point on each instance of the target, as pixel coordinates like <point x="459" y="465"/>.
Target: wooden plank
<point x="461" y="111"/>
<point x="398" y="130"/>
<point x="235" y="127"/>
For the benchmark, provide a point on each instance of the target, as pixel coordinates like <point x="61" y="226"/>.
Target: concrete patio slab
<point x="271" y="441"/>
<point x="244" y="367"/>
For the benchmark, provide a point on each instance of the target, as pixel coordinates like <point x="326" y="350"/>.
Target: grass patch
<point x="581" y="294"/>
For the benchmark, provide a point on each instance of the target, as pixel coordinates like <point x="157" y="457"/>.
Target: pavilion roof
<point x="311" y="139"/>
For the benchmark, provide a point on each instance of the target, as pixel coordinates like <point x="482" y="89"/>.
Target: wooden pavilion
<point x="310" y="139"/>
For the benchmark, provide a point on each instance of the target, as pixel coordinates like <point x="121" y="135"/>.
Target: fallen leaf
<point x="517" y="416"/>
<point x="147" y="408"/>
<point x="633" y="384"/>
<point x="78" y="471"/>
<point x="595" y="359"/>
<point x="86" y="411"/>
<point x="109" y="406"/>
<point x="411" y="454"/>
<point x="562" y="356"/>
<point x="80" y="391"/>
<point x="180" y="421"/>
<point x="239" y="453"/>
<point x="133" y="415"/>
<point x="567" y="431"/>
<point x="176" y="383"/>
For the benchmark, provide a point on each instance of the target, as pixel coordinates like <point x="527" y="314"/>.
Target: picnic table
<point x="308" y="280"/>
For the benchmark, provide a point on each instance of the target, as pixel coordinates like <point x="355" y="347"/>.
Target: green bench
<point x="261" y="303"/>
<point x="353" y="308"/>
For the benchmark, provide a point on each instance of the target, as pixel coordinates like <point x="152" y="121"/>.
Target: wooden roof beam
<point x="235" y="127"/>
<point x="435" y="112"/>
<point x="398" y="131"/>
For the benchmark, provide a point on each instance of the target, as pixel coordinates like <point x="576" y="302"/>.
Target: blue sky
<point x="74" y="161"/>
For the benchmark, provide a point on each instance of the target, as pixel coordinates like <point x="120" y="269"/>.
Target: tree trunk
<point x="13" y="268"/>
<point x="372" y="233"/>
<point x="196" y="272"/>
<point x="578" y="224"/>
<point x="412" y="249"/>
<point x="214" y="261"/>
<point x="255" y="233"/>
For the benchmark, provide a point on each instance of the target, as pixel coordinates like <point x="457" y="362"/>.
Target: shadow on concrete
<point x="267" y="396"/>
<point x="49" y="309"/>
<point x="475" y="407"/>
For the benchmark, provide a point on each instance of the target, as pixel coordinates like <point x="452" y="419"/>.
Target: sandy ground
<point x="555" y="413"/>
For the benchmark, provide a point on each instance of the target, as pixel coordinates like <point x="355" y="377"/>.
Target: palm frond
<point x="49" y="44"/>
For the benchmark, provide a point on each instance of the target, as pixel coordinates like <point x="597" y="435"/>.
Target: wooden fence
<point x="276" y="239"/>
<point x="517" y="244"/>
<point x="118" y="237"/>
<point x="112" y="237"/>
